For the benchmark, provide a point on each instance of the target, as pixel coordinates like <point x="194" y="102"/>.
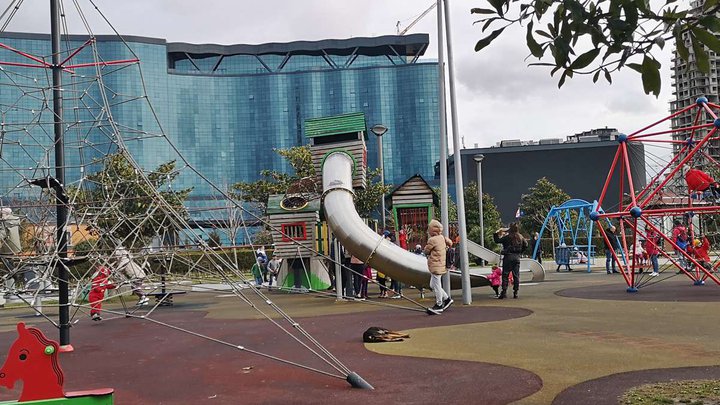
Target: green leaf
<point x="607" y="76"/>
<point x="481" y="11"/>
<point x="701" y="56"/>
<point x="544" y="34"/>
<point x="562" y="79"/>
<point x="682" y="50"/>
<point x="711" y="22"/>
<point x="709" y="4"/>
<point x="498" y="5"/>
<point x="642" y="5"/>
<point x="659" y="41"/>
<point x="535" y="49"/>
<point x="651" y="76"/>
<point x="596" y="76"/>
<point x="487" y="40"/>
<point x="488" y="22"/>
<point x="585" y="59"/>
<point x="635" y="66"/>
<point x="710" y="40"/>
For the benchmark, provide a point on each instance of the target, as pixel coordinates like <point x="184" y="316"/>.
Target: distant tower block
<point x="341" y="132"/>
<point x="295" y="221"/>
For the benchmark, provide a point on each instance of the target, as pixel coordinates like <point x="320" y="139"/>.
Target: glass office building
<point x="224" y="107"/>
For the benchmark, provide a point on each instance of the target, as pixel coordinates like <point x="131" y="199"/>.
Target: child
<point x="256" y="271"/>
<point x="100" y="283"/>
<point x="652" y="251"/>
<point x="273" y="267"/>
<point x="699" y="249"/>
<point x="382" y="280"/>
<point x="435" y="251"/>
<point x="495" y="278"/>
<point x="367" y="276"/>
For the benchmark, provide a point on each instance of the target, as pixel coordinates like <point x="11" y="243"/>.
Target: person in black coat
<point x="533" y="242"/>
<point x="613" y="245"/>
<point x="513" y="245"/>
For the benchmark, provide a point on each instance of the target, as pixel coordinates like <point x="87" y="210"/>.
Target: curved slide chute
<point x="363" y="242"/>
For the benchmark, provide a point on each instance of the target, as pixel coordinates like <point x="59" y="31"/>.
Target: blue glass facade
<point x="224" y="107"/>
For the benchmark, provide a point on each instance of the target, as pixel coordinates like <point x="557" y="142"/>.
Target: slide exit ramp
<point x="361" y="241"/>
<point x="526" y="264"/>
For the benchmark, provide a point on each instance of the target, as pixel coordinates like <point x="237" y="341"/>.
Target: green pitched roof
<point x="338" y="124"/>
<point x="274" y="207"/>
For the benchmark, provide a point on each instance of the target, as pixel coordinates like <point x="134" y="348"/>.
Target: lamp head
<point x="379" y="129"/>
<point x="479" y="158"/>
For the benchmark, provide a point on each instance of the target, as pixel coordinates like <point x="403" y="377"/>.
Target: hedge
<point x="183" y="261"/>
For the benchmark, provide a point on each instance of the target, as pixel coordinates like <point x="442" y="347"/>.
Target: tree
<point x="578" y="37"/>
<point x="131" y="206"/>
<point x="214" y="239"/>
<point x="277" y="182"/>
<point x="537" y="203"/>
<point x="452" y="208"/>
<point x="302" y="180"/>
<point x="367" y="201"/>
<point x="491" y="216"/>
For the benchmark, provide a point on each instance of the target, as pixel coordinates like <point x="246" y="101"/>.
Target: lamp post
<point x="479" y="159"/>
<point x="379" y="130"/>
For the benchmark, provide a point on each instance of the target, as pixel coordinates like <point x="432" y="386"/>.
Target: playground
<point x="576" y="338"/>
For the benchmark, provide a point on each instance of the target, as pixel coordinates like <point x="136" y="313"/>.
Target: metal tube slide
<point x="361" y="241"/>
<point x="526" y="264"/>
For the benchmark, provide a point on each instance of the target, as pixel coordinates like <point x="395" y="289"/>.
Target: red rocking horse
<point x="33" y="359"/>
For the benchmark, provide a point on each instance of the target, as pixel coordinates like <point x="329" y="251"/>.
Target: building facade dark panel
<point x="580" y="169"/>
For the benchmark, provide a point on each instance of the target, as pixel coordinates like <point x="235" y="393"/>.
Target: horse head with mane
<point x="33" y="358"/>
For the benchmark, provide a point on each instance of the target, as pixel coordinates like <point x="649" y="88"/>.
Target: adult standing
<point x="534" y="242"/>
<point x="680" y="238"/>
<point x="133" y="271"/>
<point x="358" y="268"/>
<point x="513" y="245"/>
<point x="611" y="243"/>
<point x="273" y="267"/>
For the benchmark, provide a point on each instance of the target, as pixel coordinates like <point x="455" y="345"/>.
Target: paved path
<point x="563" y="340"/>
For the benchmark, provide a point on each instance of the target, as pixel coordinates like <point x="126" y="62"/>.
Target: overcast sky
<point x="499" y="97"/>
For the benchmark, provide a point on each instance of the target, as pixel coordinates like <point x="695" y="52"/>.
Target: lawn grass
<point x="693" y="392"/>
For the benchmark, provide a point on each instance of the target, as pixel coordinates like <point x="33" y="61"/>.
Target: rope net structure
<point x="673" y="217"/>
<point x="142" y="223"/>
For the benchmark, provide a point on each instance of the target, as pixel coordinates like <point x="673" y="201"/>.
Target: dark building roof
<point x="579" y="168"/>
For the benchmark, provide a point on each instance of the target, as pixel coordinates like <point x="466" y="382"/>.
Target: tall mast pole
<point x="443" y="134"/>
<point x="457" y="159"/>
<point x="60" y="197"/>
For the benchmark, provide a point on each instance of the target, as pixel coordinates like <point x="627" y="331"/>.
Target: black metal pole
<point x="62" y="209"/>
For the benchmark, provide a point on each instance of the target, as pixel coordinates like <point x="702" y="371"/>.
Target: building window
<point x="294" y="231"/>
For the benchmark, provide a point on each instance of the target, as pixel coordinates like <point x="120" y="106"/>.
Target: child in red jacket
<point x="100" y="283"/>
<point x="699" y="249"/>
<point x="495" y="279"/>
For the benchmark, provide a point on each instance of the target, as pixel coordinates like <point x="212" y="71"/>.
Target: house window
<point x="294" y="231"/>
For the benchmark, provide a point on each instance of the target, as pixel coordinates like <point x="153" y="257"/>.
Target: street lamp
<point x="379" y="130"/>
<point x="479" y="159"/>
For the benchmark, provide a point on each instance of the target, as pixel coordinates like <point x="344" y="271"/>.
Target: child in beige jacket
<point x="435" y="250"/>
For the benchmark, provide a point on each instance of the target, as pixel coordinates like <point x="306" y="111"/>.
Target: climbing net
<point x="146" y="225"/>
<point x="671" y="217"/>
